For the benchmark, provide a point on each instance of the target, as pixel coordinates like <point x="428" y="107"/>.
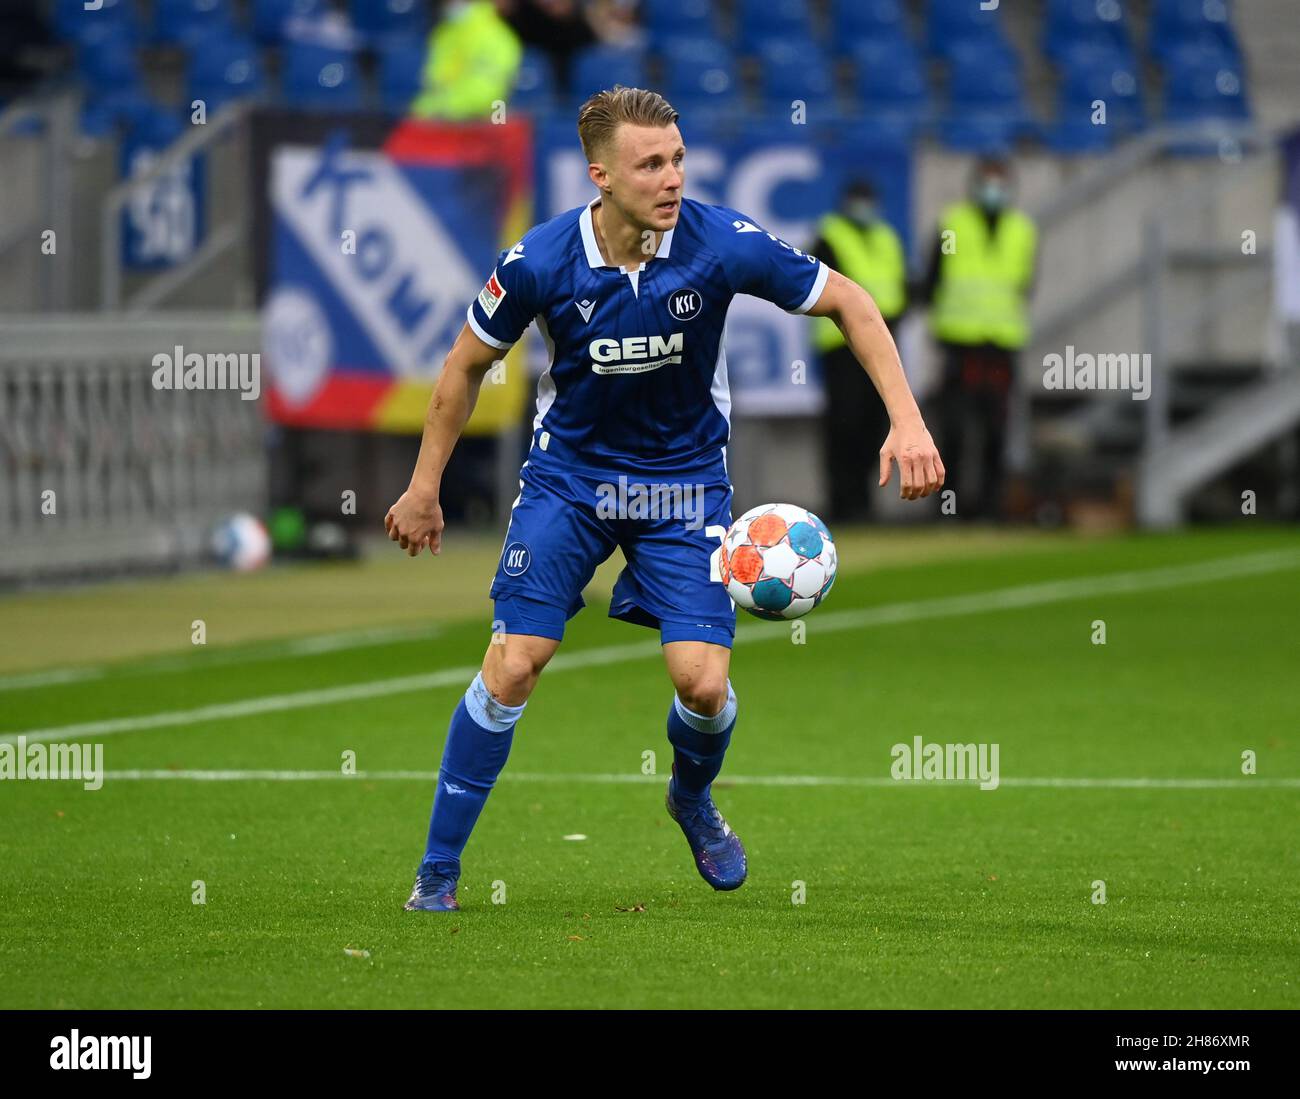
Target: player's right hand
<point x="414" y="522"/>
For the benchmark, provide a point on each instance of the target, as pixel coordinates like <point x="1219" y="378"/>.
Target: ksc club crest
<point x="685" y="304"/>
<point x="516" y="559"/>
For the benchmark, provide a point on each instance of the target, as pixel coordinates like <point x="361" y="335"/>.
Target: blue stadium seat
<point x="856" y="21"/>
<point x="600" y="67"/>
<point x="270" y="16"/>
<point x="534" y="83"/>
<point x="977" y="86"/>
<point x="795" y="69"/>
<point x="981" y="133"/>
<point x="952" y="22"/>
<point x="699" y="74"/>
<point x="664" y="19"/>
<point x="376" y="19"/>
<point x="759" y="22"/>
<point x="986" y="103"/>
<point x="891" y="81"/>
<point x="1182" y="30"/>
<point x="106" y="112"/>
<point x="320" y="76"/>
<point x="1105" y="76"/>
<point x="1073" y="26"/>
<point x="72" y="21"/>
<point x="188" y="22"/>
<point x="106" y="58"/>
<point x="222" y="69"/>
<point x="1202" y="91"/>
<point x="401" y="63"/>
<point x="877" y="129"/>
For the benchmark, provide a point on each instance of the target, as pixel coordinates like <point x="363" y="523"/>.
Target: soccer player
<point x="630" y="293"/>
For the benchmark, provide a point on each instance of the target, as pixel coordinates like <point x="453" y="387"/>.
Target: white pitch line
<point x="1028" y="595"/>
<point x="275" y="650"/>
<point x="725" y="780"/>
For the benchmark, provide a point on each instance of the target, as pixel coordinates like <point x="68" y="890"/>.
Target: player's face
<point x="646" y="171"/>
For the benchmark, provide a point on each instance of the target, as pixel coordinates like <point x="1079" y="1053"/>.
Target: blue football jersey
<point x="638" y="369"/>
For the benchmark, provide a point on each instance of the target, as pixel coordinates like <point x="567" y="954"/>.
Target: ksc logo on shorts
<point x="516" y="559"/>
<point x="685" y="304"/>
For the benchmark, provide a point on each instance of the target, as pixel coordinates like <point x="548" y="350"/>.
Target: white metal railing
<point x="100" y="470"/>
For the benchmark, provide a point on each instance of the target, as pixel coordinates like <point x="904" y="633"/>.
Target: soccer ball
<point x="778" y="561"/>
<point x="240" y="542"/>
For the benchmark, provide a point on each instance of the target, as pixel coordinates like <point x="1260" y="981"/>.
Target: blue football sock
<point x="699" y="745"/>
<point x="478" y="743"/>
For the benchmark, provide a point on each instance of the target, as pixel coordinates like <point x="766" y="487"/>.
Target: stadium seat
<point x="107" y="112"/>
<point x="891" y="81"/>
<point x="401" y="62"/>
<point x="1201" y="92"/>
<point x="534" y="88"/>
<point x="599" y="67"/>
<point x="188" y="22"/>
<point x="856" y="21"/>
<point x="106" y="58"/>
<point x="1180" y="28"/>
<point x="377" y="19"/>
<point x="222" y="69"/>
<point x="72" y="21"/>
<point x="320" y="76"/>
<point x="760" y="22"/>
<point x="1105" y="76"/>
<point x="1073" y="26"/>
<point x="980" y="86"/>
<point x="664" y="19"/>
<point x="950" y="23"/>
<point x="984" y="133"/>
<point x="270" y="16"/>
<point x="795" y="70"/>
<point x="699" y="74"/>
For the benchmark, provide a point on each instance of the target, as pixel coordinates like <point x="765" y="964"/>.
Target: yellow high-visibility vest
<point x="872" y="256"/>
<point x="473" y="59"/>
<point x="983" y="279"/>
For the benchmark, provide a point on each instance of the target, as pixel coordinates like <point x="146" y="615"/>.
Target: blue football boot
<point x="435" y="888"/>
<point x="719" y="854"/>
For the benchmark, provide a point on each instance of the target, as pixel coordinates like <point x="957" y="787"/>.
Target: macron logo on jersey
<point x="635" y="354"/>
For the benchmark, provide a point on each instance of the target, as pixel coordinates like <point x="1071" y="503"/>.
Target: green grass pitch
<point x="913" y="894"/>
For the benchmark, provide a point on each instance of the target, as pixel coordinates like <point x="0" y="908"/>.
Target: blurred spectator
<point x="562" y="28"/>
<point x="473" y="58"/>
<point x="979" y="281"/>
<point x="861" y="245"/>
<point x="24" y="34"/>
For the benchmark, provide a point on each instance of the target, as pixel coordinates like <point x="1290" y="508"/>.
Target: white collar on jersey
<point x="594" y="258"/>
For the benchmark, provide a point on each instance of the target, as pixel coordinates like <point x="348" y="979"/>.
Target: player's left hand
<point x="920" y="469"/>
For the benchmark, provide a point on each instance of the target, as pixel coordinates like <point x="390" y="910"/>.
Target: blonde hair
<point x="601" y="115"/>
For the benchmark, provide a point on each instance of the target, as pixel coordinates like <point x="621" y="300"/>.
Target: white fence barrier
<point x="100" y="469"/>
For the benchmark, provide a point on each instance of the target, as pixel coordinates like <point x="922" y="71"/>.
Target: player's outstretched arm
<point x="415" y="521"/>
<point x="920" y="469"/>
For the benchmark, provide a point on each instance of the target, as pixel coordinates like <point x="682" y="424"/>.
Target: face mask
<point x="991" y="194"/>
<point x="863" y="211"/>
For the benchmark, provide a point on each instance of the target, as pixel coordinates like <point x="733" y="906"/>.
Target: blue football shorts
<point x="569" y="518"/>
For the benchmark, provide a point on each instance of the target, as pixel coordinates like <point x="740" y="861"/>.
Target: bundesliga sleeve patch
<point x="492" y="294"/>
